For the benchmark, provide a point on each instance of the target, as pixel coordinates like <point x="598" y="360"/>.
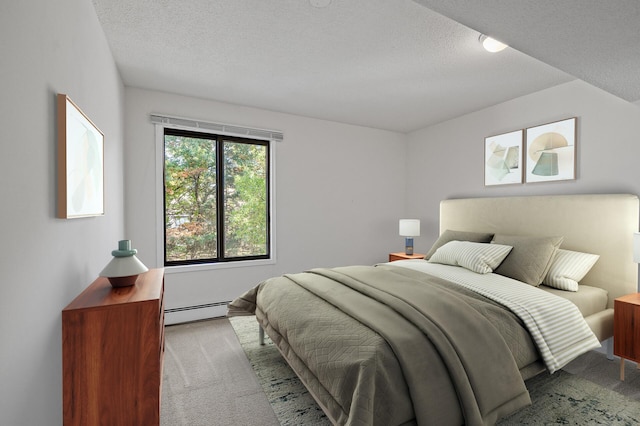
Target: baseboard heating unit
<point x="196" y="312"/>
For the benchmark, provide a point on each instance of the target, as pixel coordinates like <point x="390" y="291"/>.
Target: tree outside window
<point x="216" y="191"/>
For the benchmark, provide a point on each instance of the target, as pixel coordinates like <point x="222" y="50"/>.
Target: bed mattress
<point x="589" y="300"/>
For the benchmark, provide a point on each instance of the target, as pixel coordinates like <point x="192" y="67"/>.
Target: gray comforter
<point x="387" y="345"/>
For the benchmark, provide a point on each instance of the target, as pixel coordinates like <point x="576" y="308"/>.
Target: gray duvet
<point x="389" y="346"/>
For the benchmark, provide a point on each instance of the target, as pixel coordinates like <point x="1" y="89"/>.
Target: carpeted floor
<point x="208" y="381"/>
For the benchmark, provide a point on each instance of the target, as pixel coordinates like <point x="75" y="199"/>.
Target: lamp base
<point x="408" y="246"/>
<point x="123" y="281"/>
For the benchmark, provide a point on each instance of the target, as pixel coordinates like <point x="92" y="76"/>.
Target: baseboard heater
<point x="196" y="312"/>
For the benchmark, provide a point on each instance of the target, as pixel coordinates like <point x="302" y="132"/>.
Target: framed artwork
<point x="80" y="163"/>
<point x="503" y="159"/>
<point x="551" y="151"/>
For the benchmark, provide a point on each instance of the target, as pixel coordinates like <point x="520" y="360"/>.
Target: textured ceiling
<point x="597" y="41"/>
<point x="393" y="65"/>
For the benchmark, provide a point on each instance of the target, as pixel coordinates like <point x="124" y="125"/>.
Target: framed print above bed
<point x="550" y="151"/>
<point x="503" y="159"/>
<point x="80" y="163"/>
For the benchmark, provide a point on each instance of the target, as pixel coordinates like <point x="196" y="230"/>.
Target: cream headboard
<point x="600" y="224"/>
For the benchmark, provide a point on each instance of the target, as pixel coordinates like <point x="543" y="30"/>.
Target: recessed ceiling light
<point x="320" y="3"/>
<point x="490" y="44"/>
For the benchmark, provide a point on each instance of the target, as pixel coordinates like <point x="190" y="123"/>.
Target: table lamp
<point x="409" y="228"/>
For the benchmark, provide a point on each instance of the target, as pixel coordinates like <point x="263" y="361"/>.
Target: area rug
<point x="288" y="397"/>
<point x="561" y="398"/>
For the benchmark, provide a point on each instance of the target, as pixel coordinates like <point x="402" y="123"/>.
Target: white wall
<point x="339" y="193"/>
<point x="48" y="47"/>
<point x="340" y="189"/>
<point x="446" y="160"/>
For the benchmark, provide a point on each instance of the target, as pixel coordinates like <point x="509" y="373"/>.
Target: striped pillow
<point x="477" y="257"/>
<point x="451" y="235"/>
<point x="568" y="268"/>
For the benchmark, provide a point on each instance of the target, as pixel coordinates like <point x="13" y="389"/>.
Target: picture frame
<point x="80" y="162"/>
<point x="550" y="151"/>
<point x="503" y="158"/>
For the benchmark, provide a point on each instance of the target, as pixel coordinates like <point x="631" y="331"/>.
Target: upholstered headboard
<point x="600" y="224"/>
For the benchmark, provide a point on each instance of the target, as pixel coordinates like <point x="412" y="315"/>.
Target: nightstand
<point x="402" y="256"/>
<point x="626" y="329"/>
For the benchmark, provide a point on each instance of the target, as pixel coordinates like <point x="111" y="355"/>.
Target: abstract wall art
<point x="550" y="151"/>
<point x="503" y="159"/>
<point x="80" y="163"/>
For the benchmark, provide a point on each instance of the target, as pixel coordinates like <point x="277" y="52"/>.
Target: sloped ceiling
<point x="394" y="65"/>
<point x="594" y="40"/>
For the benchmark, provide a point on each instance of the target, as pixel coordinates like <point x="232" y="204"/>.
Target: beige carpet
<point x="207" y="379"/>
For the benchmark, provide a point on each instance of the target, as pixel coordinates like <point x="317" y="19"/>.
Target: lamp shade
<point x="410" y="227"/>
<point x="636" y="247"/>
<point x="125" y="267"/>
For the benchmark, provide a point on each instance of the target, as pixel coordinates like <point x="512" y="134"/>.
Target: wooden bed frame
<point x="602" y="224"/>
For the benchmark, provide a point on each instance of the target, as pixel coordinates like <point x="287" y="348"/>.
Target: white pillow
<point x="568" y="268"/>
<point x="477" y="257"/>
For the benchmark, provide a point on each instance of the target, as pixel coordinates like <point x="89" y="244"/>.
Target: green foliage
<point x="191" y="198"/>
<point x="245" y="199"/>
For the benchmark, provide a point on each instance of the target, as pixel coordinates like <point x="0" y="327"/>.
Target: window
<point x="216" y="198"/>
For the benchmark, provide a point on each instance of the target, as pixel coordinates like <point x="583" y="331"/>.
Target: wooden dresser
<point x="112" y="353"/>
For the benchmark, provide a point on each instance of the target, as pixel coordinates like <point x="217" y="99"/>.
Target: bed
<point x="443" y="341"/>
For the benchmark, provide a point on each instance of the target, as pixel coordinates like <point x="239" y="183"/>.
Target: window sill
<point x="221" y="265"/>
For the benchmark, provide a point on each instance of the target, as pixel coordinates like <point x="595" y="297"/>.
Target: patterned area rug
<point x="288" y="397"/>
<point x="565" y="399"/>
<point x="561" y="398"/>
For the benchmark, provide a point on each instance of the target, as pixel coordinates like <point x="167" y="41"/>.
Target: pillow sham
<point x="450" y="235"/>
<point x="568" y="268"/>
<point x="530" y="259"/>
<point x="477" y="257"/>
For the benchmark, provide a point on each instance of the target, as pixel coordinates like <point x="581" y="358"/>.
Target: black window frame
<point x="219" y="139"/>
